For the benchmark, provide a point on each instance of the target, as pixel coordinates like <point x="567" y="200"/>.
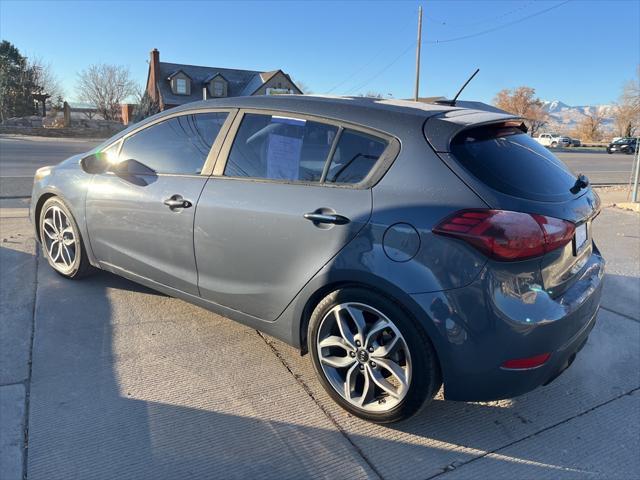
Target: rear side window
<point x="179" y="145"/>
<point x="510" y="161"/>
<point x="355" y="156"/>
<point x="280" y="148"/>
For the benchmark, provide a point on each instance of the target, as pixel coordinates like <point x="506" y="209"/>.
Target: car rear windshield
<point x="510" y="161"/>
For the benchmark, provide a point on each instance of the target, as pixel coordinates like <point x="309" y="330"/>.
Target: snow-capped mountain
<point x="554" y="106"/>
<point x="564" y="118"/>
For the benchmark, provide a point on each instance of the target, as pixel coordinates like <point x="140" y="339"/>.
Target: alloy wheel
<point x="364" y="357"/>
<point x="59" y="239"/>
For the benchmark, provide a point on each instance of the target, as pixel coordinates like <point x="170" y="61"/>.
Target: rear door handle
<point x="176" y="201"/>
<point x="326" y="218"/>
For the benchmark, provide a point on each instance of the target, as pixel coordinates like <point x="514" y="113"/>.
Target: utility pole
<point x="415" y="93"/>
<point x="634" y="196"/>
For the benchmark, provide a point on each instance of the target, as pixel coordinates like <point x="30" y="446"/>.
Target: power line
<point x="454" y="39"/>
<point x="499" y="27"/>
<point x="484" y="20"/>
<point x="387" y="67"/>
<point x="357" y="71"/>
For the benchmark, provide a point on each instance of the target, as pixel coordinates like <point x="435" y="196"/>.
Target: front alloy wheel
<point x="61" y="242"/>
<point x="59" y="239"/>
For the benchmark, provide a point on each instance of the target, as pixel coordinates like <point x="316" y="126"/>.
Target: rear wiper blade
<point x="582" y="181"/>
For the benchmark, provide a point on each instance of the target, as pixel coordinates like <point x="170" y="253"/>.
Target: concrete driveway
<point x="102" y="378"/>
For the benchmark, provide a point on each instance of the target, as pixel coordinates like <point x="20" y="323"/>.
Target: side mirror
<point x="134" y="172"/>
<point x="95" y="163"/>
<point x="131" y="168"/>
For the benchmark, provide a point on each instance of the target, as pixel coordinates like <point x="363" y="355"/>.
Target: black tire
<point x="554" y="144"/>
<point x="79" y="266"/>
<point x="425" y="377"/>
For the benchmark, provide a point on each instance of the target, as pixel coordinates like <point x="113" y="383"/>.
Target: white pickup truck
<point x="553" y="140"/>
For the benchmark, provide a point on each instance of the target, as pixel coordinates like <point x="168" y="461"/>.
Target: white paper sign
<point x="283" y="157"/>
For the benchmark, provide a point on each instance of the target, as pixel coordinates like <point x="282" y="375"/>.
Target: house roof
<point x="239" y="82"/>
<point x="176" y="72"/>
<point x="212" y="76"/>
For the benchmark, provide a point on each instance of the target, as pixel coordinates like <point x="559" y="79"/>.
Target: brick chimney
<point x="154" y="74"/>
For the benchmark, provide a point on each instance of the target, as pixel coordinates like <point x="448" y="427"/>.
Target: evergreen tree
<point x="17" y="83"/>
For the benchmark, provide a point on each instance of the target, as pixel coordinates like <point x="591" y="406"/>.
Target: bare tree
<point x="302" y="86"/>
<point x="626" y="119"/>
<point x="631" y="92"/>
<point x="106" y="87"/>
<point x="47" y="81"/>
<point x="522" y="102"/>
<point x="589" y="128"/>
<point x="145" y="105"/>
<point x="627" y="111"/>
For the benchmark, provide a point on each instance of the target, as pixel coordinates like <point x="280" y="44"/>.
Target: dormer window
<point x="217" y="85"/>
<point x="218" y="88"/>
<point x="180" y="83"/>
<point x="181" y="86"/>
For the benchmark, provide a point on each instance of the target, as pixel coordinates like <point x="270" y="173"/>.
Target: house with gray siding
<point x="173" y="84"/>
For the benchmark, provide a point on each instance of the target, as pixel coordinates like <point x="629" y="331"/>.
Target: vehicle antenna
<point x="453" y="102"/>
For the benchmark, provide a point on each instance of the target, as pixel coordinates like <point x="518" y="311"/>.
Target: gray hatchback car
<point x="402" y="245"/>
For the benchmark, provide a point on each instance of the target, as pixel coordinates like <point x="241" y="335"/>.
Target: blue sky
<point x="580" y="52"/>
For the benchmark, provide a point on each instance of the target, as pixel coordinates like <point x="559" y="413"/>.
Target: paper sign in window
<point x="283" y="157"/>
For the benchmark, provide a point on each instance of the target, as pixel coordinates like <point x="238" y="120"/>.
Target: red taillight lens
<point x="526" y="363"/>
<point x="557" y="233"/>
<point x="507" y="236"/>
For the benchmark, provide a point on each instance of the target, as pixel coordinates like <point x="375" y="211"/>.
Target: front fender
<point x="70" y="184"/>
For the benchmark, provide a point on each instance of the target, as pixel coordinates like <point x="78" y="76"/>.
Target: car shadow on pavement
<point x="131" y="385"/>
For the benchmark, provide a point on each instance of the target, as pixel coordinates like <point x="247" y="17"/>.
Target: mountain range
<point x="563" y="117"/>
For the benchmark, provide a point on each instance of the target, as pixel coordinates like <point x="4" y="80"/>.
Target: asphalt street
<point x="21" y="156"/>
<point x="600" y="167"/>
<point x="102" y="378"/>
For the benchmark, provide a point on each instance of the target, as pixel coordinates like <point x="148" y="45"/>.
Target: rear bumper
<point x="514" y="319"/>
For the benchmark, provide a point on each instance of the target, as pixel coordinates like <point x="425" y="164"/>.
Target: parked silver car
<point x="402" y="245"/>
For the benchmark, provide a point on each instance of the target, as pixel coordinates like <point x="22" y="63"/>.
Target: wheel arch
<point x="380" y="287"/>
<point x="38" y="209"/>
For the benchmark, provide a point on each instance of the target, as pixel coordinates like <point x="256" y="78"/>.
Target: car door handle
<point x="176" y="201"/>
<point x="326" y="218"/>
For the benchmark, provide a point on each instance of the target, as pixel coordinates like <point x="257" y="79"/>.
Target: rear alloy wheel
<point x="60" y="239"/>
<point x="370" y="356"/>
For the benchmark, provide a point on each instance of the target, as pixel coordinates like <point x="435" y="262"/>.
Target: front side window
<point x="355" y="156"/>
<point x="179" y="145"/>
<point x="280" y="148"/>
<point x="181" y="86"/>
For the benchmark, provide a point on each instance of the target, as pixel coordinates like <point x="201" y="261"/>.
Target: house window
<point x="218" y="89"/>
<point x="181" y="86"/>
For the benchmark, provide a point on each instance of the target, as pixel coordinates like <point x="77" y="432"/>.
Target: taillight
<point x="507" y="236"/>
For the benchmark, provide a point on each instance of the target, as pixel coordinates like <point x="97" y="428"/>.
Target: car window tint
<point x="280" y="148"/>
<point x="355" y="156"/>
<point x="510" y="161"/>
<point x="179" y="145"/>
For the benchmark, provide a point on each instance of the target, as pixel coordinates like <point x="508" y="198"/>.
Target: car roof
<point x="395" y="117"/>
<point x="383" y="114"/>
